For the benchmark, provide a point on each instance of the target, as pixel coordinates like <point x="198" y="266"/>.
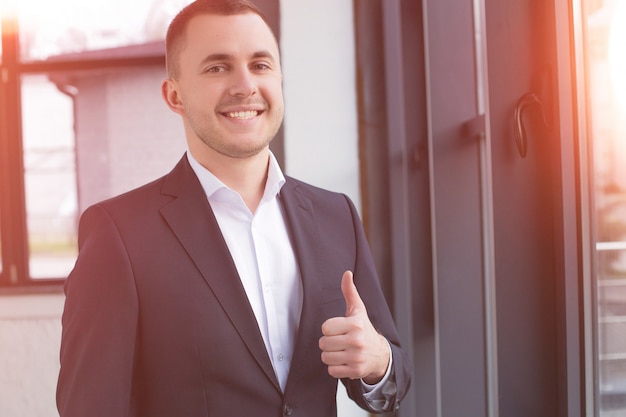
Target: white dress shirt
<point x="261" y="249"/>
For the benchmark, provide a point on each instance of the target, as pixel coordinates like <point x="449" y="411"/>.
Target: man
<point x="224" y="288"/>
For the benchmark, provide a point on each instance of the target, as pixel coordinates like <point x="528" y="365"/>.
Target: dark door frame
<point x="400" y="190"/>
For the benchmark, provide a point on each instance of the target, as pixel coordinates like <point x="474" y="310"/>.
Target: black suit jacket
<point x="157" y="323"/>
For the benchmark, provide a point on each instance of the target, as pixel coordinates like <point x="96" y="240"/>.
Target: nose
<point x="243" y="83"/>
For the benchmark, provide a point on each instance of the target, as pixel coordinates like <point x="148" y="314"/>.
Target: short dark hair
<point x="174" y="40"/>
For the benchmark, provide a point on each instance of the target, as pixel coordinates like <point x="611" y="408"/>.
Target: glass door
<point x="604" y="27"/>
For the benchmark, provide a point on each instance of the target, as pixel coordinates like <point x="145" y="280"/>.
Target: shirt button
<point x="281" y="357"/>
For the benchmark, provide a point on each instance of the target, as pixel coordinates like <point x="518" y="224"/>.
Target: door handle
<point x="520" y="133"/>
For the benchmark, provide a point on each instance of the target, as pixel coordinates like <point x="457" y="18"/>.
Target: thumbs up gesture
<point x="350" y="345"/>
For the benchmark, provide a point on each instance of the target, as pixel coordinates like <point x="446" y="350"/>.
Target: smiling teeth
<point x="242" y="114"/>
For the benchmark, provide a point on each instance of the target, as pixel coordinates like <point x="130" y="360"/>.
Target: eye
<point x="261" y="66"/>
<point x="215" y="69"/>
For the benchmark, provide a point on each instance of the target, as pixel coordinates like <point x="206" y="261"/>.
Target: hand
<point x="351" y="347"/>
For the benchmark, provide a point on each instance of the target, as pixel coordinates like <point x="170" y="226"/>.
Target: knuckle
<point x="322" y="343"/>
<point x="325" y="327"/>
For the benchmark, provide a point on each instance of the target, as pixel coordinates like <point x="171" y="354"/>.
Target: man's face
<point x="230" y="85"/>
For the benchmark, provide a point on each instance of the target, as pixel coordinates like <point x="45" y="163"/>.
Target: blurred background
<point x="505" y="270"/>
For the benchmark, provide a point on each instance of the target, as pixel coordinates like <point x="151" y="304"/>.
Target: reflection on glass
<point x="50" y="177"/>
<point x="89" y="135"/>
<point x="49" y="28"/>
<point x="606" y="58"/>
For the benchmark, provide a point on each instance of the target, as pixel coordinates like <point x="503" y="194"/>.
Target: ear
<point x="171" y="96"/>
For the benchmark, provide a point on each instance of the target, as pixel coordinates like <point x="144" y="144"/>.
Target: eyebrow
<point x="228" y="57"/>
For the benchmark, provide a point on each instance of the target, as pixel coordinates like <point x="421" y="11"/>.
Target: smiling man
<point x="225" y="288"/>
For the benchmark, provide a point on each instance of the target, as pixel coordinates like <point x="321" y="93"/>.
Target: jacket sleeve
<point x="99" y="324"/>
<point x="368" y="285"/>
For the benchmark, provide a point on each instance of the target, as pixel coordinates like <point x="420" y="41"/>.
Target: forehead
<point x="241" y="34"/>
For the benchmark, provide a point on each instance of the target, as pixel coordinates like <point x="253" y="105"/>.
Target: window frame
<point x="14" y="274"/>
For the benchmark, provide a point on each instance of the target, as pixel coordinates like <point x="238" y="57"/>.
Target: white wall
<point x="30" y="336"/>
<point x="318" y="54"/>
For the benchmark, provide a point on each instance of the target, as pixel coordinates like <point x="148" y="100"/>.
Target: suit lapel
<point x="304" y="233"/>
<point x="191" y="219"/>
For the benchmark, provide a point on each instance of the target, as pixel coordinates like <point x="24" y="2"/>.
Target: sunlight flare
<point x="617" y="53"/>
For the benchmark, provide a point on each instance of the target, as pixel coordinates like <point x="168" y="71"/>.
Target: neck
<point x="246" y="176"/>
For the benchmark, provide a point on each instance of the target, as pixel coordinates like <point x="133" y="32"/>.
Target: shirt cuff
<point x="379" y="396"/>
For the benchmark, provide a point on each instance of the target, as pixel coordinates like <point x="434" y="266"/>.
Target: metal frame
<point x="399" y="182"/>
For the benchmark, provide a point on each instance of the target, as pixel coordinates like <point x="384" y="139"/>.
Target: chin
<point x="244" y="153"/>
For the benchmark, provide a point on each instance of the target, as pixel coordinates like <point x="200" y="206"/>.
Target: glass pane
<point x="49" y="28"/>
<point x="89" y="135"/>
<point x="50" y="177"/>
<point x="606" y="60"/>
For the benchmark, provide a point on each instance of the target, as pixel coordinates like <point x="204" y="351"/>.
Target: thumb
<point x="354" y="304"/>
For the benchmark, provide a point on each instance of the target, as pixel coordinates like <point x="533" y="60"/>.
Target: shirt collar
<point x="211" y="184"/>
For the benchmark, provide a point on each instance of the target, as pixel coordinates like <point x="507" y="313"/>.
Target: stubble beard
<point x="216" y="140"/>
<point x="232" y="150"/>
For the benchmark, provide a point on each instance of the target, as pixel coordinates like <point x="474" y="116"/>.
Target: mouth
<point x="242" y="115"/>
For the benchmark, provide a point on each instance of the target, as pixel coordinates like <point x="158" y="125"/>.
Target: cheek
<point x="201" y="102"/>
<point x="275" y="92"/>
<point x="273" y="86"/>
<point x="202" y="92"/>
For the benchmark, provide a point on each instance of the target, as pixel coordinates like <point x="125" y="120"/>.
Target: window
<point x="605" y="46"/>
<point x="81" y="120"/>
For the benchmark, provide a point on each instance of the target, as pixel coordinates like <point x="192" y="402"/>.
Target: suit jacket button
<point x="288" y="409"/>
